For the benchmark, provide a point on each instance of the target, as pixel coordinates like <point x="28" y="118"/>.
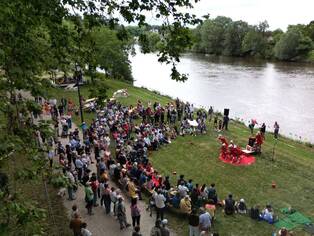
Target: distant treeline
<point x="223" y="36"/>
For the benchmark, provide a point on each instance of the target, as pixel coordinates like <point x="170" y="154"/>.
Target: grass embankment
<point x="135" y="94"/>
<point x="56" y="223"/>
<point x="197" y="158"/>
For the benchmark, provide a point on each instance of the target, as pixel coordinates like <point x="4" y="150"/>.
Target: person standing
<point x="204" y="220"/>
<point x="106" y="199"/>
<point x="160" y="204"/>
<point x="210" y="113"/>
<point x="251" y="126"/>
<point x="276" y="130"/>
<point x="76" y="224"/>
<point x="225" y="122"/>
<point x="263" y="130"/>
<point x="135" y="212"/>
<point x="156" y="231"/>
<point x="71" y="183"/>
<point x="121" y="214"/>
<point x="89" y="198"/>
<point x="79" y="166"/>
<point x="95" y="186"/>
<point x="164" y="228"/>
<point x="194" y="222"/>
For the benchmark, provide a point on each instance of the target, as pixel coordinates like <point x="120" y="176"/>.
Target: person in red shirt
<point x="223" y="140"/>
<point x="259" y="142"/>
<point x="94" y="186"/>
<point x="224" y="151"/>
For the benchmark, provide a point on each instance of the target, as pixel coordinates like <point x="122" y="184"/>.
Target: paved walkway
<point x="101" y="224"/>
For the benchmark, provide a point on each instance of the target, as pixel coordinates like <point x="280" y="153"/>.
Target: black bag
<point x="254" y="213"/>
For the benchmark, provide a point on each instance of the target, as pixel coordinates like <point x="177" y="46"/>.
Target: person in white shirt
<point x="160" y="204"/>
<point x="147" y="141"/>
<point x="79" y="166"/>
<point x="84" y="231"/>
<point x="183" y="190"/>
<point x="85" y="159"/>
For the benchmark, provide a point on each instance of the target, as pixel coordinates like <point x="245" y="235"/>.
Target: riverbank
<point x="292" y="169"/>
<point x="267" y="92"/>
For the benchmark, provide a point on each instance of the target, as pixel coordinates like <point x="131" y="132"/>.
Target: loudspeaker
<point x="226" y="112"/>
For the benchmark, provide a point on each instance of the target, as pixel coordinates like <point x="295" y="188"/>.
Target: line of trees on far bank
<point x="223" y="36"/>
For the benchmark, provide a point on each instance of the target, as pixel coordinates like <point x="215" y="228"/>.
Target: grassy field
<point x="197" y="158"/>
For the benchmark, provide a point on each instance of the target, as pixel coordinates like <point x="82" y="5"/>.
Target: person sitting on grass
<point x="254" y="213"/>
<point x="241" y="207"/>
<point x="268" y="214"/>
<point x="229" y="205"/>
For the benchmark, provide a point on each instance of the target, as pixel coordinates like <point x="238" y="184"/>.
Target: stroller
<point x="65" y="130"/>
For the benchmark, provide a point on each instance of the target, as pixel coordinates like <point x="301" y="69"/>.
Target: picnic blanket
<point x="292" y="220"/>
<point x="285" y="223"/>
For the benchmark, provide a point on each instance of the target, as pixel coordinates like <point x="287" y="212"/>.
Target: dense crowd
<point x="119" y="140"/>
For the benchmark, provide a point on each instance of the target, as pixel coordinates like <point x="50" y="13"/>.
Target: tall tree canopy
<point x="41" y="35"/>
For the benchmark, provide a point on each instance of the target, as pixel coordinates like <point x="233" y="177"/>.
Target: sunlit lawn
<point x="292" y="171"/>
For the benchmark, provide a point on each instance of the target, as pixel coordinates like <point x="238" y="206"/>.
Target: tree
<point x="35" y="39"/>
<point x="149" y="41"/>
<point x="234" y="36"/>
<point x="254" y="43"/>
<point x="292" y="44"/>
<point x="213" y="34"/>
<point x="309" y="30"/>
<point x="112" y="54"/>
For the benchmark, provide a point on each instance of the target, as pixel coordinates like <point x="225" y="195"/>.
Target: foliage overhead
<point x="37" y="36"/>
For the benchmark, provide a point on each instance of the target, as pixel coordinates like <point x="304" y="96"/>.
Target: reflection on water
<point x="269" y="92"/>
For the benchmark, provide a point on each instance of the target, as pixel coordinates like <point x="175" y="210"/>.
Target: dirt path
<point x="101" y="224"/>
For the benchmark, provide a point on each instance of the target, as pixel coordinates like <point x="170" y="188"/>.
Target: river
<point x="265" y="91"/>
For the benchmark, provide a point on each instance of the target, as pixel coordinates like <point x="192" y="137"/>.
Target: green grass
<point x="292" y="170"/>
<point x="197" y="158"/>
<point x="135" y="94"/>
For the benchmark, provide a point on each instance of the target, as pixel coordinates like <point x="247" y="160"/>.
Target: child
<point x="241" y="206"/>
<point x="74" y="211"/>
<point x="219" y="125"/>
<point x="84" y="231"/>
<point x="216" y="122"/>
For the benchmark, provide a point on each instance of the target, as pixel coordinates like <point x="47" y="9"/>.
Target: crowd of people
<point x="119" y="141"/>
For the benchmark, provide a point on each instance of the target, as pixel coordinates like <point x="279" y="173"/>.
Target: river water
<point x="265" y="91"/>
